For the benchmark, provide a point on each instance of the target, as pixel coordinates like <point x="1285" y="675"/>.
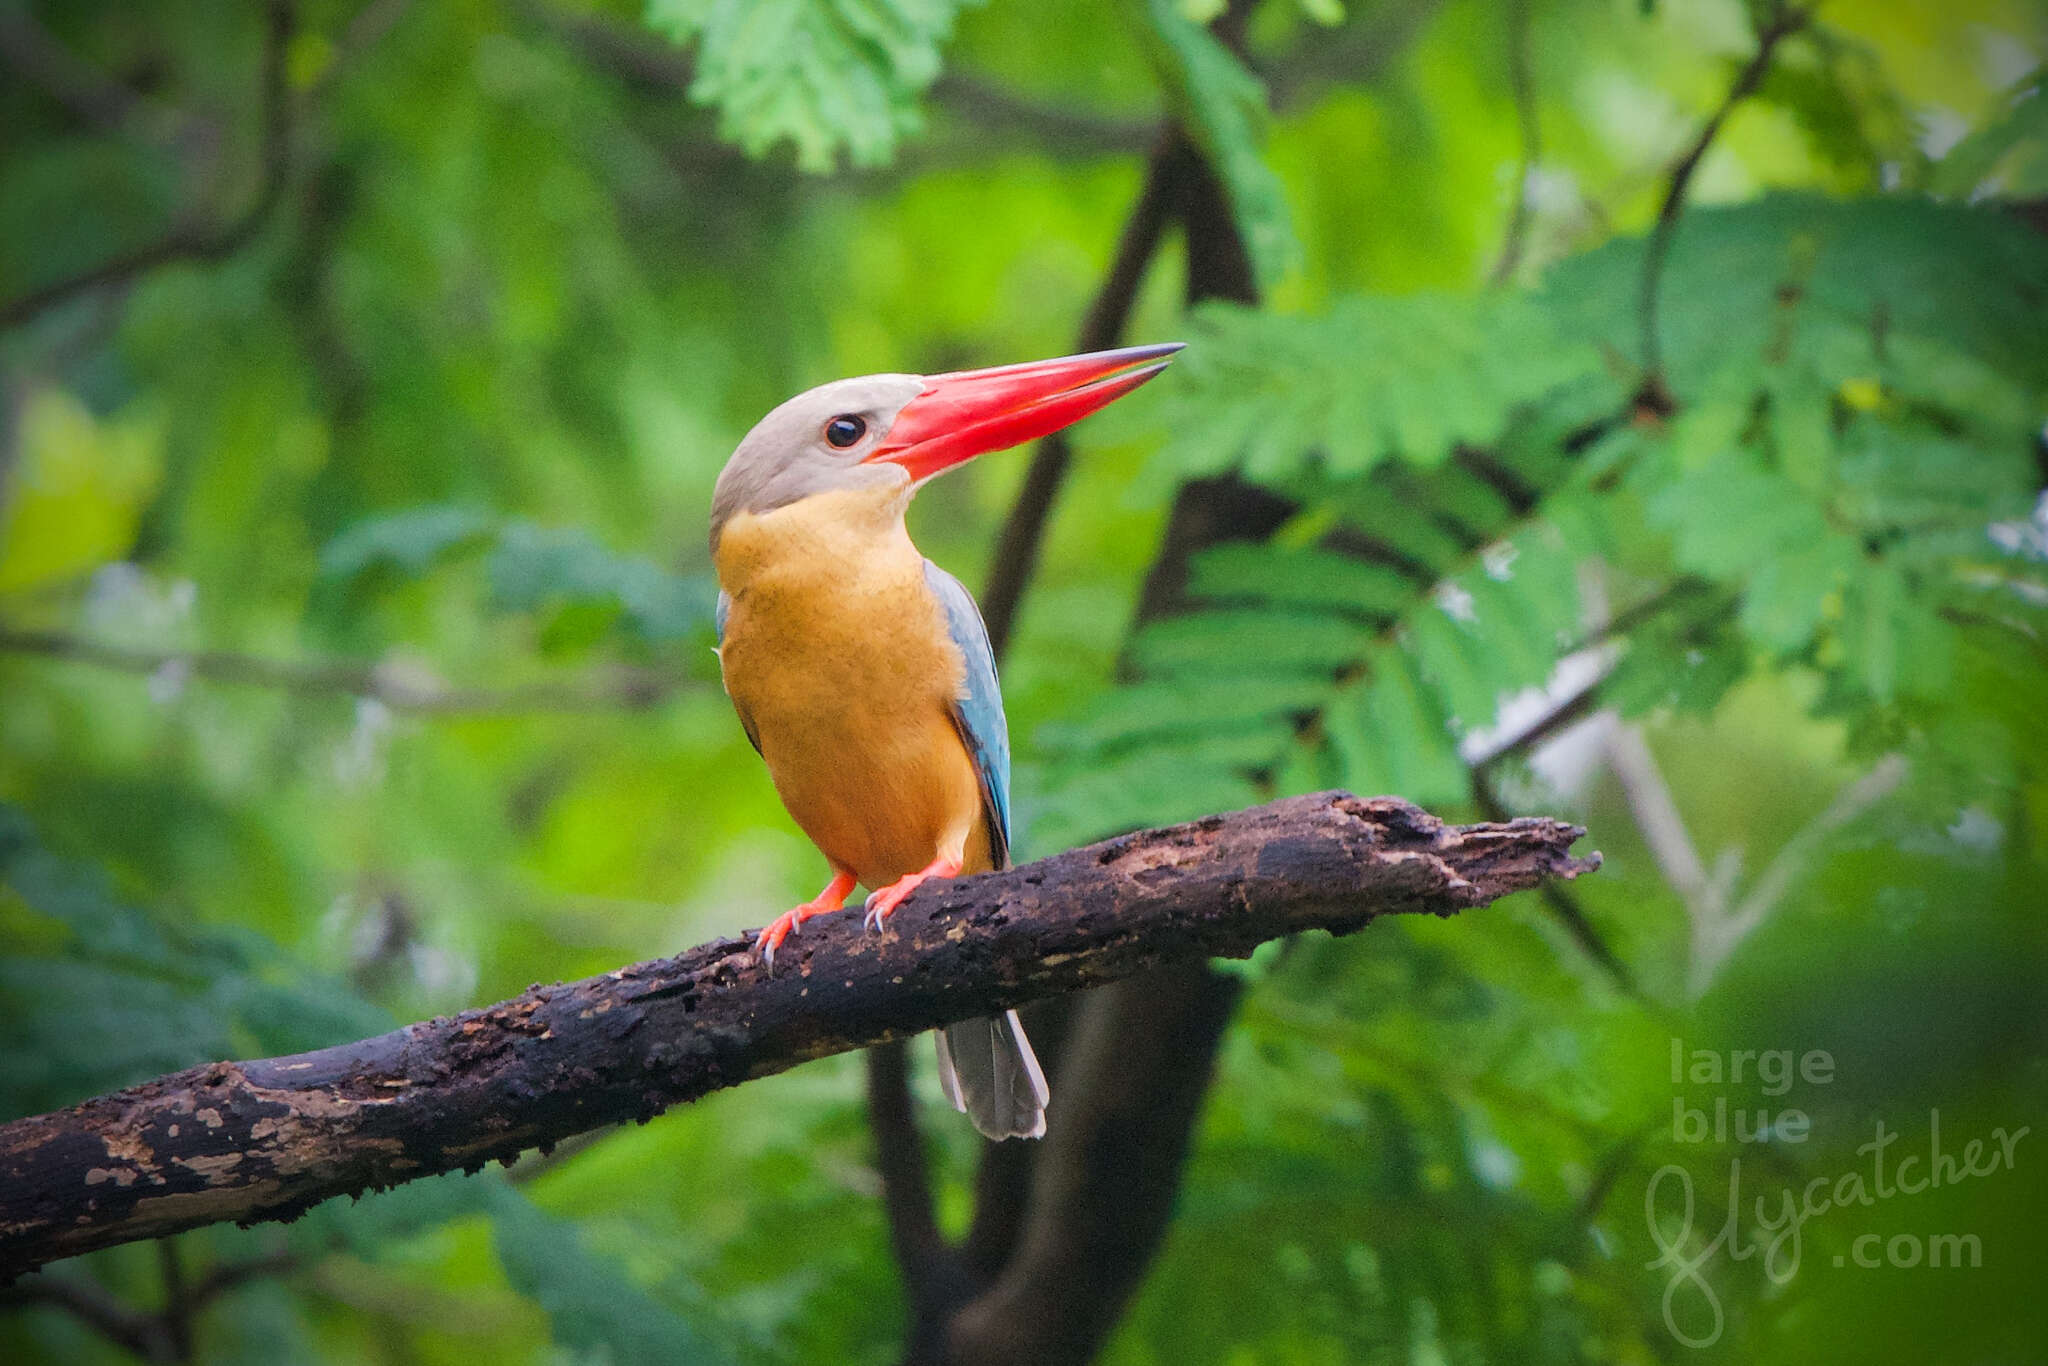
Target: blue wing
<point x="978" y="713"/>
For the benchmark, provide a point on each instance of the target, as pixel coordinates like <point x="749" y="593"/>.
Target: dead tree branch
<point x="268" y="1139"/>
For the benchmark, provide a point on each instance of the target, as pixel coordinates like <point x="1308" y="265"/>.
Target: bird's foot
<point x="884" y="900"/>
<point x="789" y="922"/>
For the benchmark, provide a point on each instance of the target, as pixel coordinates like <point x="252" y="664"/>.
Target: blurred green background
<point x="366" y="367"/>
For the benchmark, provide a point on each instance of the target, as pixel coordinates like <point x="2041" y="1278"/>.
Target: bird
<point x="862" y="672"/>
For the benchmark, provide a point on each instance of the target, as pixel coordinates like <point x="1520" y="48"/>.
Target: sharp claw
<point x="767" y="952"/>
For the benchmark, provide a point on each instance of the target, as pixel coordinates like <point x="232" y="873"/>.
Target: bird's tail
<point x="991" y="1075"/>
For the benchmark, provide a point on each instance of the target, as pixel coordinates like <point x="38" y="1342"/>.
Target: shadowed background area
<point x="1620" y="410"/>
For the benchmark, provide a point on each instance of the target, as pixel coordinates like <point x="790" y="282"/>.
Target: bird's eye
<point x="844" y="430"/>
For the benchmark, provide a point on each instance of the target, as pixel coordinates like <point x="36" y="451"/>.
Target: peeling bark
<point x="268" y="1139"/>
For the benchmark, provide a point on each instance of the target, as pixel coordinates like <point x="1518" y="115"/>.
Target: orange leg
<point x="831" y="899"/>
<point x="883" y="900"/>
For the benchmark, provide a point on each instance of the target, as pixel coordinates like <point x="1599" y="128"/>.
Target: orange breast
<point x="837" y="657"/>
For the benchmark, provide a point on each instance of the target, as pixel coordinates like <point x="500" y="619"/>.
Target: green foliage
<point x="824" y="75"/>
<point x="1814" y="284"/>
<point x="2013" y="147"/>
<point x="1374" y="379"/>
<point x="1224" y="106"/>
<point x="1845" y="442"/>
<point x="461" y="395"/>
<point x="1314" y="689"/>
<point x="563" y="577"/>
<point x="108" y="995"/>
<point x="533" y="568"/>
<point x="105" y="995"/>
<point x="406" y="543"/>
<point x="590" y="1309"/>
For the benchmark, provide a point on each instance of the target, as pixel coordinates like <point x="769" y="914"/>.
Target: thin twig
<point x="1359" y="53"/>
<point x="1655" y="393"/>
<point x="227" y="1277"/>
<point x="87" y="1301"/>
<point x="1717" y="927"/>
<point x="164" y="1335"/>
<point x="91" y="95"/>
<point x="633" y="55"/>
<point x="532" y="1166"/>
<point x="208" y="242"/>
<point x="1563" y="905"/>
<point x="365" y="30"/>
<point x="1522" y="81"/>
<point x="399" y="686"/>
<point x="1016" y="557"/>
<point x="1595" y="655"/>
<point x="1062" y="128"/>
<point x="1655" y="810"/>
<point x="1439" y="1076"/>
<point x="627" y="53"/>
<point x="1566" y="710"/>
<point x="1722" y="938"/>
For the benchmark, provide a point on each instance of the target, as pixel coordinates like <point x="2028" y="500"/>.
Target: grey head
<point x="814" y="443"/>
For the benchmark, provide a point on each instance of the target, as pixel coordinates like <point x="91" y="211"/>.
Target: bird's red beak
<point x="972" y="412"/>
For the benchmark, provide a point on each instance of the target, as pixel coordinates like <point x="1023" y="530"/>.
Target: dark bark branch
<point x="207" y="242"/>
<point x="899" y="1157"/>
<point x="1002" y="1183"/>
<point x="1103" y="1188"/>
<point x="1176" y="180"/>
<point x="1208" y="511"/>
<point x="935" y="1278"/>
<point x="396" y="686"/>
<point x="178" y="1309"/>
<point x="1654" y="393"/>
<point x="268" y="1139"/>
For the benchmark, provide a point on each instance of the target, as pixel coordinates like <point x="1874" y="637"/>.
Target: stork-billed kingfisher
<point x="862" y="672"/>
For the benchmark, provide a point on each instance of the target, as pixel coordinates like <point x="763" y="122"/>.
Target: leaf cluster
<point x="1847" y="486"/>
